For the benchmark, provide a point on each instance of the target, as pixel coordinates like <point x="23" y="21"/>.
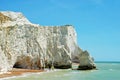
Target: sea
<point x="106" y="71"/>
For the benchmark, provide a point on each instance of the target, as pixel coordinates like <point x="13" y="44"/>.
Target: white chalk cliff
<point x="27" y="45"/>
<point x="86" y="61"/>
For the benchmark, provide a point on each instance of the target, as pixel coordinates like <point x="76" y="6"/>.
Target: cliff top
<point x="4" y="18"/>
<point x="10" y="18"/>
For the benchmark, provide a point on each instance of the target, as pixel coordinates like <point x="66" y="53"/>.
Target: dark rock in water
<point x="86" y="67"/>
<point x="63" y="67"/>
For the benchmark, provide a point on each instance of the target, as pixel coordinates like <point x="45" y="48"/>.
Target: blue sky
<point x="97" y="22"/>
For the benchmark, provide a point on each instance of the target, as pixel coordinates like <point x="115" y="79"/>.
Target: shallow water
<point x="106" y="71"/>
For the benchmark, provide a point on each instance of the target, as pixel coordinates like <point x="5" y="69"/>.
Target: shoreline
<point x="18" y="72"/>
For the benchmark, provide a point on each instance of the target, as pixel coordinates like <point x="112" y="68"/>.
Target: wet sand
<point x="18" y="72"/>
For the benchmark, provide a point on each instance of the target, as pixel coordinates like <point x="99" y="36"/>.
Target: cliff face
<point x="27" y="45"/>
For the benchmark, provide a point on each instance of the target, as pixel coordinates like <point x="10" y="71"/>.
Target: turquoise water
<point x="107" y="71"/>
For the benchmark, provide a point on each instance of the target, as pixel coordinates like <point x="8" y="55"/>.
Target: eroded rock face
<point x="4" y="18"/>
<point x="31" y="46"/>
<point x="28" y="45"/>
<point x="3" y="62"/>
<point x="86" y="61"/>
